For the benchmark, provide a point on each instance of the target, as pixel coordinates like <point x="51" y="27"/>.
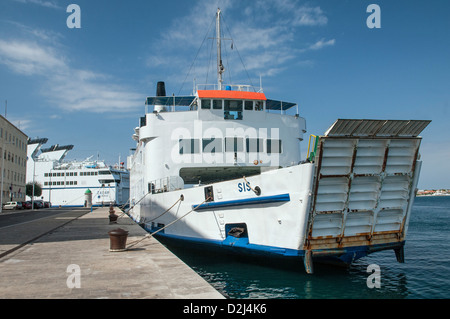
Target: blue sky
<point x="87" y="86"/>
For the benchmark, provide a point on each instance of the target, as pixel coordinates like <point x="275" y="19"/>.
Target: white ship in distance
<point x="64" y="183"/>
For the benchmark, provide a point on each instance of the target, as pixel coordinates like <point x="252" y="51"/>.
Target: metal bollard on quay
<point x="112" y="216"/>
<point x="118" y="239"/>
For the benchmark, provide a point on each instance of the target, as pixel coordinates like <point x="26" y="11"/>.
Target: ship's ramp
<point x="364" y="184"/>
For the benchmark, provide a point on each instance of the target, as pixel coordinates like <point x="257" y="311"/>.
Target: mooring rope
<point x="248" y="184"/>
<point x="171" y="223"/>
<point x="179" y="199"/>
<point x="138" y="202"/>
<point x="256" y="191"/>
<point x="122" y="207"/>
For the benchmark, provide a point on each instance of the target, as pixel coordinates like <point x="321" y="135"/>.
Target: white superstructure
<point x="64" y="183"/>
<point x="223" y="167"/>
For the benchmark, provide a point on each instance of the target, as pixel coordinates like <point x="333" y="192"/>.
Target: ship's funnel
<point x="160" y="91"/>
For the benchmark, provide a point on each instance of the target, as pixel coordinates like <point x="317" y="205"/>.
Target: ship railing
<point x="232" y="87"/>
<point x="166" y="184"/>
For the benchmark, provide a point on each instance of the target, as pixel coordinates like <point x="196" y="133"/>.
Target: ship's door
<point x="364" y="183"/>
<point x="209" y="193"/>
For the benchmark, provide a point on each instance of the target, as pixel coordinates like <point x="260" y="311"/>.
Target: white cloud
<point x="309" y="16"/>
<point x="48" y="36"/>
<point x="82" y="92"/>
<point x="291" y="12"/>
<point x="191" y="29"/>
<point x="47" y="4"/>
<point x="264" y="32"/>
<point x="249" y="38"/>
<point x="321" y="44"/>
<point x="29" y="58"/>
<point x="66" y="87"/>
<point x="21" y="124"/>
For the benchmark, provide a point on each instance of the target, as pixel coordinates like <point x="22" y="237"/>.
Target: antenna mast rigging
<point x="220" y="67"/>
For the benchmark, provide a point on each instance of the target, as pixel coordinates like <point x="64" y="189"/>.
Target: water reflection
<point x="393" y="278"/>
<point x="255" y="278"/>
<point x="422" y="276"/>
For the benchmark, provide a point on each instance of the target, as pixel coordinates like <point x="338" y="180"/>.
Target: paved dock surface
<point x="50" y="257"/>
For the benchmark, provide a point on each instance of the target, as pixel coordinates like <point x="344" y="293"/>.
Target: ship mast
<point x="220" y="67"/>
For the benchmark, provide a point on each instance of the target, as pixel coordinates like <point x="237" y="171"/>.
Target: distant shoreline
<point x="433" y="195"/>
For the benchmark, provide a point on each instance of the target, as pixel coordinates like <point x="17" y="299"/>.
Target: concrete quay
<point x="74" y="261"/>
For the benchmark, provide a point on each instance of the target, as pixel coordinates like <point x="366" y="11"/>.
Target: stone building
<point x="13" y="162"/>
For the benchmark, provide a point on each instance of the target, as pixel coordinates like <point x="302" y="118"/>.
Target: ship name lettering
<point x="243" y="187"/>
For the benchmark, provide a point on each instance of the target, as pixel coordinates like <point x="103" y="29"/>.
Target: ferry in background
<point x="223" y="168"/>
<point x="65" y="183"/>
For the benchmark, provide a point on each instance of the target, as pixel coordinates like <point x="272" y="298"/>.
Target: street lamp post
<point x="32" y="192"/>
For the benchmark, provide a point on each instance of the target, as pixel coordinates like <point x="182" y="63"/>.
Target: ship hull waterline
<point x="260" y="216"/>
<point x="344" y="257"/>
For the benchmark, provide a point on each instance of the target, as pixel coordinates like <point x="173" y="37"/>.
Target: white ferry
<point x="65" y="183"/>
<point x="223" y="168"/>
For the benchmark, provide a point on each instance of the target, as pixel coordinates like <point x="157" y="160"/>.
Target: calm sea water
<point x="424" y="275"/>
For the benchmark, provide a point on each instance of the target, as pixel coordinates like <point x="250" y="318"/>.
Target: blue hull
<point x="341" y="256"/>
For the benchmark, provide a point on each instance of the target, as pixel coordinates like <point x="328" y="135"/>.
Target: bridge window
<point x="248" y="105"/>
<point x="217" y="104"/>
<point x="259" y="106"/>
<point x="232" y="110"/>
<point x="206" y="104"/>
